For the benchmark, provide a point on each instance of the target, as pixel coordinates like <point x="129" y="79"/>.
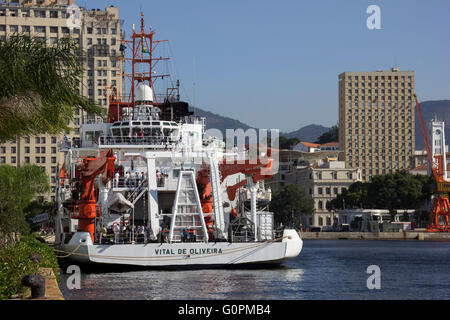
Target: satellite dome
<point x="143" y="93"/>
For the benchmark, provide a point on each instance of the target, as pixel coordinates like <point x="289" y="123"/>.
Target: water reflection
<point x="191" y="284"/>
<point x="324" y="270"/>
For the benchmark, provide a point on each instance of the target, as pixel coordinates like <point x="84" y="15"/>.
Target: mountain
<point x="430" y="109"/>
<point x="439" y="109"/>
<point x="308" y="133"/>
<point x="216" y="121"/>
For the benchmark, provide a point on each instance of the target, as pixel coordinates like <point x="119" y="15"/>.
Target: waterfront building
<point x="322" y="180"/>
<point x="99" y="36"/>
<point x="377" y="121"/>
<point x="289" y="160"/>
<point x="306" y="147"/>
<point x="375" y="220"/>
<point x="329" y="146"/>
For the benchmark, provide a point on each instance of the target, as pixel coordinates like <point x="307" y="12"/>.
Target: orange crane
<point x="227" y="169"/>
<point x="440" y="209"/>
<point x="87" y="204"/>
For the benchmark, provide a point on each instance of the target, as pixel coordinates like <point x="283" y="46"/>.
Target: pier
<point x="402" y="235"/>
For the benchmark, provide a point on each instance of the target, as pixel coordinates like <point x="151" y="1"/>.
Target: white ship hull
<point x="165" y="255"/>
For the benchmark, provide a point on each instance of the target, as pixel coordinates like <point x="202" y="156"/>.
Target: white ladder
<point x="217" y="197"/>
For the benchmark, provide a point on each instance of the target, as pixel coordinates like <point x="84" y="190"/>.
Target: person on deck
<point x="116" y="179"/>
<point x="116" y="229"/>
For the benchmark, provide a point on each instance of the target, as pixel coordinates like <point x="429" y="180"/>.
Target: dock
<point x="402" y="235"/>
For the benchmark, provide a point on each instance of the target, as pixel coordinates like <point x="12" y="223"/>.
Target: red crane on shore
<point x="440" y="210"/>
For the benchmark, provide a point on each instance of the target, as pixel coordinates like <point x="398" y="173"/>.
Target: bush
<point x="16" y="263"/>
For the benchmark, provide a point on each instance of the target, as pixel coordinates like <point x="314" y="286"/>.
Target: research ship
<point x="149" y="187"/>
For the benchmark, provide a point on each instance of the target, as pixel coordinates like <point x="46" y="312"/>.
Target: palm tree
<point x="39" y="87"/>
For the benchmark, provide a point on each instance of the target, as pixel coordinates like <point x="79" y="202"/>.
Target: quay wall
<point x="408" y="235"/>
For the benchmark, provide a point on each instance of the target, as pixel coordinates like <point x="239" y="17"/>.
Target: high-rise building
<point x="99" y="35"/>
<point x="376" y="121"/>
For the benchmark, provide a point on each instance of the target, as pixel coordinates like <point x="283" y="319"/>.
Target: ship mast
<point x="143" y="63"/>
<point x="143" y="47"/>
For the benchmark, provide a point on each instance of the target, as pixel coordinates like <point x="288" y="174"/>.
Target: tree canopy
<point x="287" y="143"/>
<point x="17" y="188"/>
<point x="39" y="86"/>
<point x="331" y="135"/>
<point x="288" y="202"/>
<point x="400" y="190"/>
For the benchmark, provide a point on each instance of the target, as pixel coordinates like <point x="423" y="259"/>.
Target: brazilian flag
<point x="144" y="50"/>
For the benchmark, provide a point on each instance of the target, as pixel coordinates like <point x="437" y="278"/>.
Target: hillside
<point x="310" y="133"/>
<point x="216" y="121"/>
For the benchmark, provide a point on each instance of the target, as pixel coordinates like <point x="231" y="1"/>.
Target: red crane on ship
<point x="86" y="208"/>
<point x="255" y="169"/>
<point x="440" y="209"/>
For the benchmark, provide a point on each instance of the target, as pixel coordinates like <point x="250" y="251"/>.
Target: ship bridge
<point x="147" y="133"/>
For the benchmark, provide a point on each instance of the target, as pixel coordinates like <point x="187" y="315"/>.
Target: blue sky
<point x="275" y="64"/>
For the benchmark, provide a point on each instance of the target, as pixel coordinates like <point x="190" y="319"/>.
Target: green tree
<point x="288" y="203"/>
<point x="19" y="186"/>
<point x="331" y="135"/>
<point x="287" y="143"/>
<point x="400" y="190"/>
<point x="36" y="207"/>
<point x="39" y="86"/>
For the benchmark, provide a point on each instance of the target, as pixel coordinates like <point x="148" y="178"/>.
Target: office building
<point x="376" y="121"/>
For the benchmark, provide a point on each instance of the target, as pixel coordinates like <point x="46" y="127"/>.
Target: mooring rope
<point x="71" y="253"/>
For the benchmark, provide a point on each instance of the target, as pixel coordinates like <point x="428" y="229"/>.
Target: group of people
<point x="160" y="178"/>
<point x="189" y="235"/>
<point x="67" y="142"/>
<point x="134" y="179"/>
<point x="124" y="234"/>
<point x="131" y="179"/>
<point x="128" y="233"/>
<point x="136" y="138"/>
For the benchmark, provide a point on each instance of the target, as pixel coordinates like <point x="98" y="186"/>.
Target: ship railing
<point x="146" y="140"/>
<point x="68" y="143"/>
<point x="89" y="120"/>
<point x="193" y="120"/>
<point x="75" y="213"/>
<point x="133" y="182"/>
<point x="139" y="187"/>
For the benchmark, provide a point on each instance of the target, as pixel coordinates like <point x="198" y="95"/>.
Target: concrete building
<point x="329" y="146"/>
<point x="98" y="33"/>
<point x="289" y="160"/>
<point x="376" y="220"/>
<point x="306" y="147"/>
<point x="377" y="120"/>
<point x="421" y="163"/>
<point x="39" y="2"/>
<point x="322" y="181"/>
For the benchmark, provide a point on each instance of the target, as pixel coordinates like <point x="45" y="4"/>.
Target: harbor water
<point x="325" y="269"/>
